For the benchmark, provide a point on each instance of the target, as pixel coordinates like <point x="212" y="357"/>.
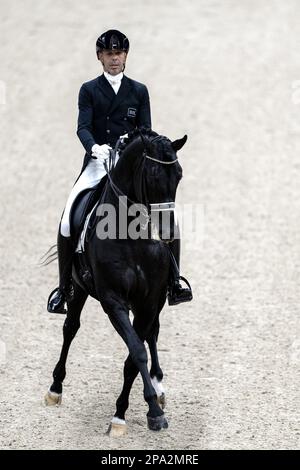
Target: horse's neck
<point x="123" y="173"/>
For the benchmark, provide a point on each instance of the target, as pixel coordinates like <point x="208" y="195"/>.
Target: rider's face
<point x="113" y="61"/>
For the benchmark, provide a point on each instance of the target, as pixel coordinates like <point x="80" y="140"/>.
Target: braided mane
<point x="144" y="131"/>
<point x="161" y="147"/>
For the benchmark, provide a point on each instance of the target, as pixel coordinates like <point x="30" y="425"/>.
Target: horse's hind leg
<point x="156" y="373"/>
<point x="118" y="425"/>
<point x="70" y="328"/>
<point x="130" y="373"/>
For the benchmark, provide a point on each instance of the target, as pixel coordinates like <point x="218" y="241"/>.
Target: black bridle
<point x="157" y="207"/>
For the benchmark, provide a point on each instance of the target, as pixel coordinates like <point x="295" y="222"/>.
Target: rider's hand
<point x="101" y="152"/>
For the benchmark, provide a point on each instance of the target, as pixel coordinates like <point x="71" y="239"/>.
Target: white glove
<point x="101" y="152"/>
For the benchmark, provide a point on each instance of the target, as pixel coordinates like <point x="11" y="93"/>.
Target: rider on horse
<point x="109" y="106"/>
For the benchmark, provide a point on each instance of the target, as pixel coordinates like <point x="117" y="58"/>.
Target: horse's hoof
<point x="161" y="401"/>
<point x="52" y="398"/>
<point x="158" y="423"/>
<point x="117" y="430"/>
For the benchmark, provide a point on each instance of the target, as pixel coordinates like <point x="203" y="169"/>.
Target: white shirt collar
<point x="113" y="78"/>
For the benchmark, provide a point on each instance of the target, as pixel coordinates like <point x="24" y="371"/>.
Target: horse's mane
<point x="132" y="135"/>
<point x="162" y="143"/>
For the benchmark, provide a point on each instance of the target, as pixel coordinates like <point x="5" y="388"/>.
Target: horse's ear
<point x="178" y="144"/>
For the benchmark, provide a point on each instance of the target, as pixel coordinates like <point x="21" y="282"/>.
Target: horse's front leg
<point x="70" y="328"/>
<point x="156" y="373"/>
<point x="131" y="371"/>
<point x="119" y="317"/>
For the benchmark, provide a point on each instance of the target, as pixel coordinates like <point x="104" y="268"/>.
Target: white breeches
<point x="92" y="174"/>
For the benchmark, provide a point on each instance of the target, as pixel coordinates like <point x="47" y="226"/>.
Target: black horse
<point x="129" y="274"/>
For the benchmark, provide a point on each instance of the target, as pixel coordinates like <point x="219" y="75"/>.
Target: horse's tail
<point x="49" y="256"/>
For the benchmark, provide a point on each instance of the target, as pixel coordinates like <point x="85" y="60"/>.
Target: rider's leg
<point x="58" y="297"/>
<point x="177" y="293"/>
<point x="91" y="176"/>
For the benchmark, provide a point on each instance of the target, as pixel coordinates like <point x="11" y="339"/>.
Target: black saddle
<point x="82" y="205"/>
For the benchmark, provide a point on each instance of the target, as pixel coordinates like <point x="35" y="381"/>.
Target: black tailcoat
<point x="104" y="115"/>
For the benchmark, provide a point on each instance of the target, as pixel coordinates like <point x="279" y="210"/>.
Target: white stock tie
<point x="115" y="82"/>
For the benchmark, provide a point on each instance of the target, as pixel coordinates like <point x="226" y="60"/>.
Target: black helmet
<point x="112" y="39"/>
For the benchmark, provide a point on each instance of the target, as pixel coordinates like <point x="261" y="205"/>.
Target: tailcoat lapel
<point x="115" y="99"/>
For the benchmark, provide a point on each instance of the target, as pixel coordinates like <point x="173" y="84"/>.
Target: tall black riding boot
<point x="177" y="293"/>
<point x="58" y="297"/>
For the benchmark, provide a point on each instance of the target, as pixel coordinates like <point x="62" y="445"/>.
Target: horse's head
<point x="157" y="174"/>
<point x="149" y="173"/>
